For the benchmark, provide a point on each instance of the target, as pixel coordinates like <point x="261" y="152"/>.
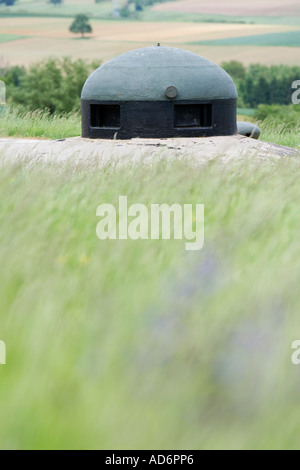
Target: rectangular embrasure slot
<point x="105" y="116"/>
<point x="193" y="115"/>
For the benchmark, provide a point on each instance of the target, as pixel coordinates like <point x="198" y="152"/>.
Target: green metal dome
<point x="159" y="74"/>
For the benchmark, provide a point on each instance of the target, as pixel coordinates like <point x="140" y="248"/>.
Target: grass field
<point x="51" y="37"/>
<point x="39" y="124"/>
<point x="287" y="38"/>
<point x="140" y="344"/>
<point x="10" y="37"/>
<point x="20" y="123"/>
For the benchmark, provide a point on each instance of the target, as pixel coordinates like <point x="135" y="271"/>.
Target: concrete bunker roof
<point x="145" y="74"/>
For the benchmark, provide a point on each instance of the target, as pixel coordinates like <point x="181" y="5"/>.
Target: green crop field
<point x="285" y="39"/>
<point x="10" y="37"/>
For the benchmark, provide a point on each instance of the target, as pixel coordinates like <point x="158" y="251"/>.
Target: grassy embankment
<point x="140" y="344"/>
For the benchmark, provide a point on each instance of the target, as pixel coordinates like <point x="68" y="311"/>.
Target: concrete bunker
<point x="158" y="92"/>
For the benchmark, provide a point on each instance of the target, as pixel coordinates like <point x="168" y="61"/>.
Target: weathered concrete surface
<point x="80" y="151"/>
<point x="144" y="75"/>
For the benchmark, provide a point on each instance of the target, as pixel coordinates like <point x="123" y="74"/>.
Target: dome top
<point x="158" y="74"/>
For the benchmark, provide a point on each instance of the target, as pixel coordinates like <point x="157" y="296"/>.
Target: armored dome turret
<point x="158" y="92"/>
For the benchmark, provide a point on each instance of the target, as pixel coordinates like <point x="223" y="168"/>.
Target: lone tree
<point x="81" y="25"/>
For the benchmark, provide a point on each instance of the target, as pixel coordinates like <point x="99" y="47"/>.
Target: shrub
<point x="278" y="114"/>
<point x="53" y="84"/>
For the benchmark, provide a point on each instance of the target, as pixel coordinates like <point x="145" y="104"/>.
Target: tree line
<point x="56" y="84"/>
<point x="130" y="7"/>
<point x="259" y="84"/>
<point x="12" y="2"/>
<point x="138" y="5"/>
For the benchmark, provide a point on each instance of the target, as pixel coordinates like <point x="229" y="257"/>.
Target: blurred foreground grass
<point x="141" y="344"/>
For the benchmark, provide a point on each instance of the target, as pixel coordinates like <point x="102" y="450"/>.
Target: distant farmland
<point x="27" y="40"/>
<point x="234" y="7"/>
